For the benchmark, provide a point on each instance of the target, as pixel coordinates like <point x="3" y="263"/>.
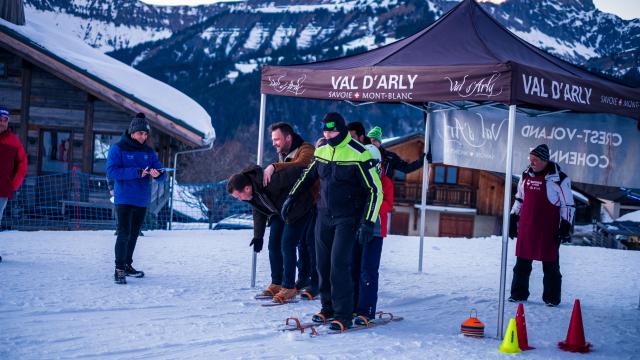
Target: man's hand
<point x="266" y="175"/>
<point x="365" y="233"/>
<point x="144" y="172"/>
<point x="564" y="233"/>
<point x="286" y="206"/>
<point x="155" y="173"/>
<point x="257" y="244"/>
<point x="513" y="225"/>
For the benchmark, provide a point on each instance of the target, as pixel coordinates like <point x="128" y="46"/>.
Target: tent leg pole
<point x="505" y="217"/>
<point x="425" y="186"/>
<point x="263" y="107"/>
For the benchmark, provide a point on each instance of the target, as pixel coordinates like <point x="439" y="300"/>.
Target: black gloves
<point x="257" y="244"/>
<point x="365" y="233"/>
<point x="286" y="206"/>
<point x="564" y="234"/>
<point x="513" y="225"/>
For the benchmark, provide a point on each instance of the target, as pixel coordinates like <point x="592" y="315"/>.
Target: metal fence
<point x="80" y="201"/>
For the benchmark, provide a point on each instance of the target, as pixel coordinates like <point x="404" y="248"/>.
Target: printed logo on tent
<point x="373" y="87"/>
<point x="556" y="90"/>
<point x="472" y="88"/>
<point x="281" y="84"/>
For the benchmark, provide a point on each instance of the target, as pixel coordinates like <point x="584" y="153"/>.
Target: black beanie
<point x="333" y="122"/>
<point x="139" y="123"/>
<point x="541" y="151"/>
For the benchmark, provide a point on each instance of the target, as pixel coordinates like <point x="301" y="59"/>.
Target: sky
<point x="626" y="9"/>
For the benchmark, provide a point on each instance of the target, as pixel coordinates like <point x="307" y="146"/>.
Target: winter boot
<point x="340" y="325"/>
<point x="284" y="295"/>
<point x="271" y="290"/>
<point x="120" y="277"/>
<point x="363" y="320"/>
<point x="309" y="293"/>
<point x="130" y="271"/>
<point x="325" y="315"/>
<point x="301" y="284"/>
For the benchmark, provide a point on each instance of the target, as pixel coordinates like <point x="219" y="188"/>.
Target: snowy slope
<point x="57" y="300"/>
<point x="103" y="35"/>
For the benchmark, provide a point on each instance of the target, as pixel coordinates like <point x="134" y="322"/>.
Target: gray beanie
<point x="139" y="123"/>
<point x="541" y="151"/>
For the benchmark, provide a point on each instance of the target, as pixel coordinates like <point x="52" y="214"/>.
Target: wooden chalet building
<point x="70" y="102"/>
<point x="462" y="202"/>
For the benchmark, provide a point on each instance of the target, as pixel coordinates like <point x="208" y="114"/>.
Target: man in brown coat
<point x="294" y="151"/>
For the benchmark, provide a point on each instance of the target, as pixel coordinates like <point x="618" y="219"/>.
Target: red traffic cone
<point x="575" y="335"/>
<point x="521" y="326"/>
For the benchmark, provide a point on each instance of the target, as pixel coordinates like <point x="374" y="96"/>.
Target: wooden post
<point x="25" y="103"/>
<point x="87" y="142"/>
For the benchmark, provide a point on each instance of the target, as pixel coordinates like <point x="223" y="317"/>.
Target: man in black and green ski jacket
<point x="350" y="198"/>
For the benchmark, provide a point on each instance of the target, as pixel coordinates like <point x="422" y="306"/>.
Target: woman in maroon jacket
<point x="13" y="161"/>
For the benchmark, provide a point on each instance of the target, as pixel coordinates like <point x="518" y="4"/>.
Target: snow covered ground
<point x="58" y="300"/>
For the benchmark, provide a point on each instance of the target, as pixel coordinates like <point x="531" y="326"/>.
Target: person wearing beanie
<point x="131" y="164"/>
<point x="375" y="134"/>
<point x="350" y="198"/>
<point x="13" y="161"/>
<point x="541" y="219"/>
<point x="366" y="256"/>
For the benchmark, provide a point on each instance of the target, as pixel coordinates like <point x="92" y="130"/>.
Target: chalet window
<point x="3" y="70"/>
<point x="55" y="151"/>
<point x="101" y="145"/>
<point x="445" y="174"/>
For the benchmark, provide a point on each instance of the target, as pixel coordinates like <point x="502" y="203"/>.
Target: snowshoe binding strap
<point x="306" y="295"/>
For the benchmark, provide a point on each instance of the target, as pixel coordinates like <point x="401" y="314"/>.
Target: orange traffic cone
<point x="521" y="326"/>
<point x="575" y="341"/>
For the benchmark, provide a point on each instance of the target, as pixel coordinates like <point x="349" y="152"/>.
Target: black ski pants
<point x="335" y="238"/>
<point x="552" y="280"/>
<point x="130" y="219"/>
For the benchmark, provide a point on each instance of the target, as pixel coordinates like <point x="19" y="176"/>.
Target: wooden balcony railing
<point x="438" y="194"/>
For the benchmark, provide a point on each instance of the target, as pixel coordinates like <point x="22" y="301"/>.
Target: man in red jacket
<point x="13" y="161"/>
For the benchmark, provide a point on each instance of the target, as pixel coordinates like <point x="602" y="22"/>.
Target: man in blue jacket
<point x="131" y="164"/>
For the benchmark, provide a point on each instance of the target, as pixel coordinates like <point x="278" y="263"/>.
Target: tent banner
<point x="391" y="84"/>
<point x="596" y="149"/>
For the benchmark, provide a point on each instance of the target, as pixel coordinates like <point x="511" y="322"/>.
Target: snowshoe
<point x="130" y="271"/>
<point x="120" y="277"/>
